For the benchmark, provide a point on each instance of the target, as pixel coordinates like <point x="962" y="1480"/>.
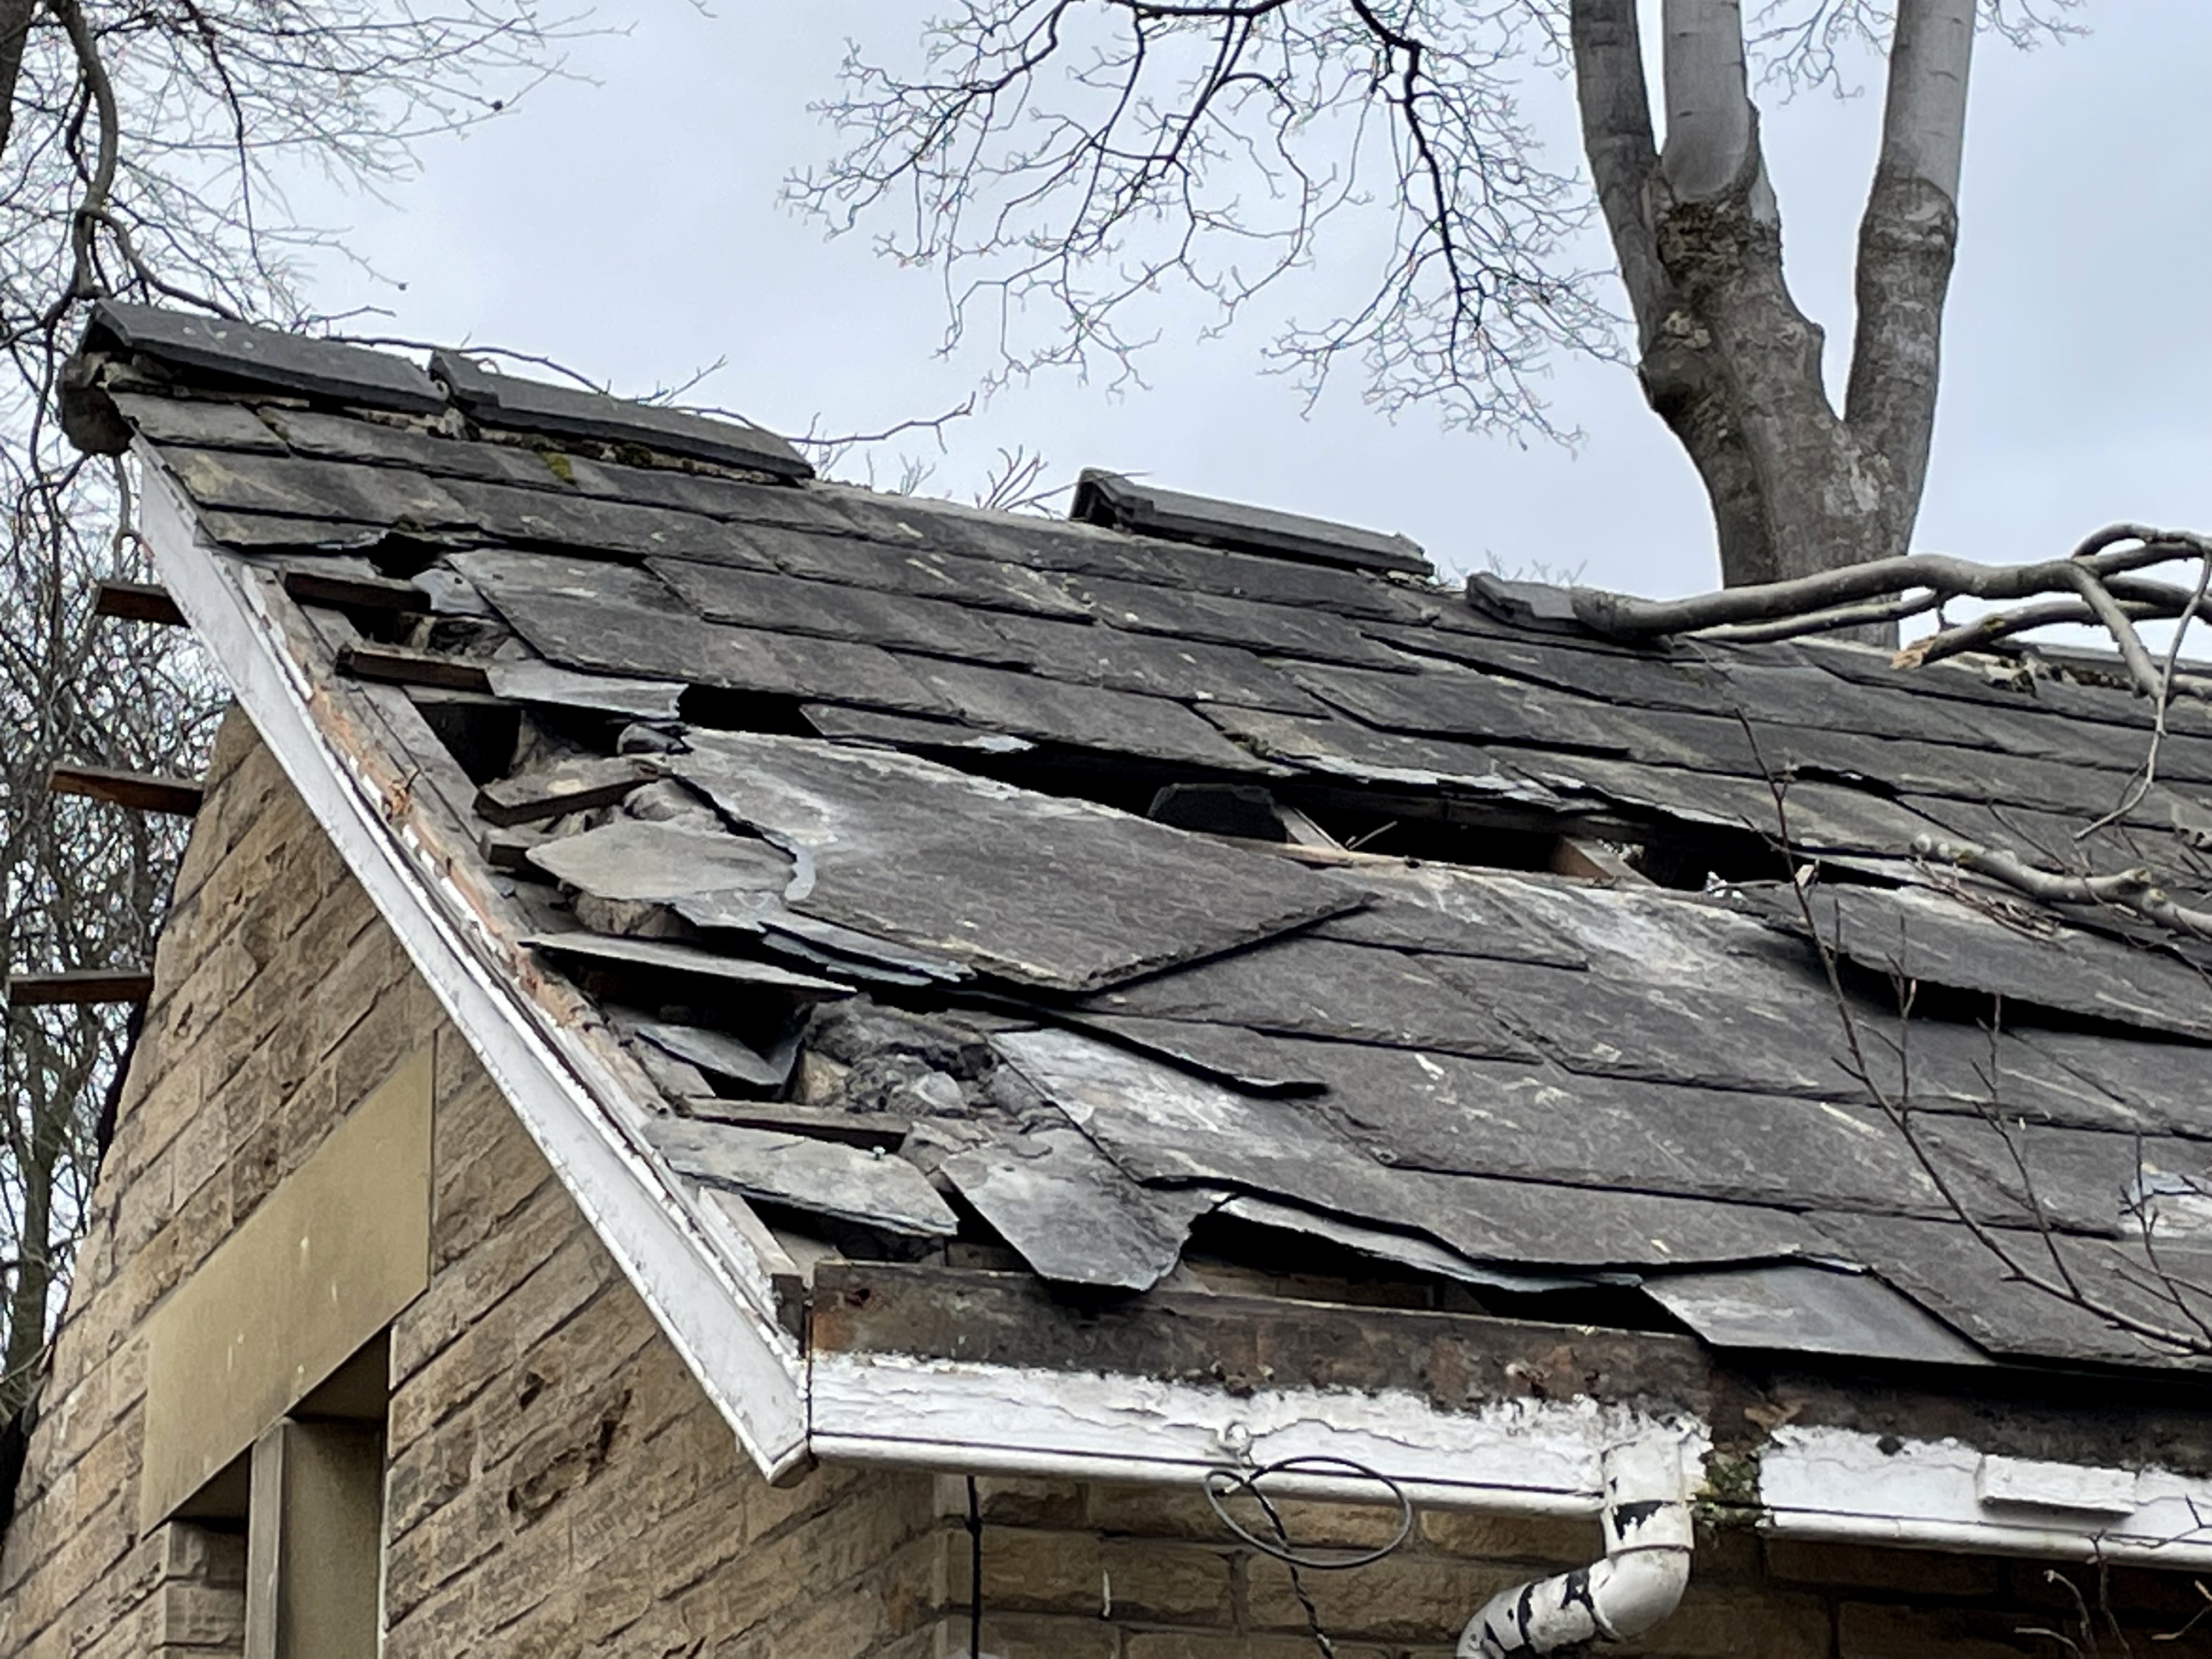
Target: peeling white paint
<point x="1524" y="1457"/>
<point x="1845" y="1484"/>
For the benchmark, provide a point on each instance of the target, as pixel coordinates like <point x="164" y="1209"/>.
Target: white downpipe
<point x="1648" y="1539"/>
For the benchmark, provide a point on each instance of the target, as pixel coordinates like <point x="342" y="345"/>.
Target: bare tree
<point x="1062" y="159"/>
<point x="143" y="147"/>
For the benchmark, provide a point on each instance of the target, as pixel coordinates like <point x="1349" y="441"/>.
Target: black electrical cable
<point x="974" y="1573"/>
<point x="1223" y="1484"/>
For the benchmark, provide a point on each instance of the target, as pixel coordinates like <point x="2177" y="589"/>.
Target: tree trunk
<point x="1726" y="357"/>
<point x="15" y="30"/>
<point x="41" y="1156"/>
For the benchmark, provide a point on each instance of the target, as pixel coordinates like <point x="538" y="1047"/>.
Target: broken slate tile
<point x="299" y="488"/>
<point x="1035" y="889"/>
<point x="872" y="1188"/>
<point x="785" y="605"/>
<point x="167" y="420"/>
<point x="1075" y="1217"/>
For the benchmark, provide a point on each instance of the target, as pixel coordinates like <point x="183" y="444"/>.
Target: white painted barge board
<point x="750" y="1368"/>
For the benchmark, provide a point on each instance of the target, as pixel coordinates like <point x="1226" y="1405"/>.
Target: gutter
<point x="701" y="1276"/>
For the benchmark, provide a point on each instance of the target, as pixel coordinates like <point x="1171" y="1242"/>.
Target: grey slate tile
<point x="1188" y="670"/>
<point x="1310" y="987"/>
<point x="1444" y="702"/>
<point x="1271" y="629"/>
<point x="1033" y="889"/>
<point x="299" y="488"/>
<point x="193" y="425"/>
<point x="784" y="605"/>
<point x="1343" y="749"/>
<point x="1080" y="716"/>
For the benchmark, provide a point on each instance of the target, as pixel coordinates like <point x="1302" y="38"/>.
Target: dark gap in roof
<point x="479" y="732"/>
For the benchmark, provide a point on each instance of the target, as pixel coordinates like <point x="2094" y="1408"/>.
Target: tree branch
<point x="1622" y="616"/>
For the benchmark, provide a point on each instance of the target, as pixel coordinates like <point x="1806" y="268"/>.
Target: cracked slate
<point x="1034" y="889"/>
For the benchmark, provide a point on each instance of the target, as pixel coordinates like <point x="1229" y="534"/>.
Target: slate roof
<point x="1181" y="885"/>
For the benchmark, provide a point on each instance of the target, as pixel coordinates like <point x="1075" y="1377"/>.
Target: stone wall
<point x="558" y="1483"/>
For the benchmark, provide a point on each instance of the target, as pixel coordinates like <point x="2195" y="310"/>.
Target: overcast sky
<point x="629" y="224"/>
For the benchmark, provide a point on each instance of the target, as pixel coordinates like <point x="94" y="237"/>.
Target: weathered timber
<point x="348" y="591"/>
<point x="565" y="786"/>
<point x="79" y="986"/>
<point x="1457" y="1361"/>
<point x="143" y="791"/>
<point x="398" y="665"/>
<point x="146" y="602"/>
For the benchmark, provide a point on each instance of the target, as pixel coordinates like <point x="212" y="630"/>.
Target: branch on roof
<point x="2137" y="889"/>
<point x="1884" y="589"/>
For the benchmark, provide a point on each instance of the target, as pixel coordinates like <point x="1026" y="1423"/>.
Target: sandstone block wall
<point x="558" y="1485"/>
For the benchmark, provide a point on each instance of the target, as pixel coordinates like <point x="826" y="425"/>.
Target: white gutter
<point x="1525" y="1457"/>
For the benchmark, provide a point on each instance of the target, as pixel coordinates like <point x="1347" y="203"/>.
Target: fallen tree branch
<point x="1841" y="591"/>
<point x="2136" y="890"/>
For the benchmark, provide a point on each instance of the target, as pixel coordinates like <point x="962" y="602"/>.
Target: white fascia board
<point x="1846" y="1485"/>
<point x="749" y="1366"/>
<point x="1520" y="1457"/>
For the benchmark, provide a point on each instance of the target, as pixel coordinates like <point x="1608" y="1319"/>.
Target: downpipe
<point x="1648" y="1539"/>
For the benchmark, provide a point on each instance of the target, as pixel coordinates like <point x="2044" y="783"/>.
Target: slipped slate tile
<point x="2156" y="1087"/>
<point x="1275" y="581"/>
<point x="1275" y="630"/>
<point x="1333" y="748"/>
<point x="1384" y="1244"/>
<point x="337" y="438"/>
<point x="1072" y="1215"/>
<point x="1540" y="1223"/>
<point x="261" y="532"/>
<point x="593" y="525"/>
<point x="1185" y="669"/>
<point x="1653" y="1029"/>
<point x="608" y="950"/>
<point x="1798" y="1307"/>
<point x="1080" y="716"/>
<point x="1309" y="987"/>
<point x="299" y="488"/>
<point x="640" y="861"/>
<point x="523" y="680"/>
<point x="804" y="507"/>
<point x="826" y="1177"/>
<point x="1163" y="1126"/>
<point x="1940" y="941"/>
<point x="195" y="425"/>
<point x="1035" y="889"/>
<point x="719" y="1053"/>
<point x="1941" y="1265"/>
